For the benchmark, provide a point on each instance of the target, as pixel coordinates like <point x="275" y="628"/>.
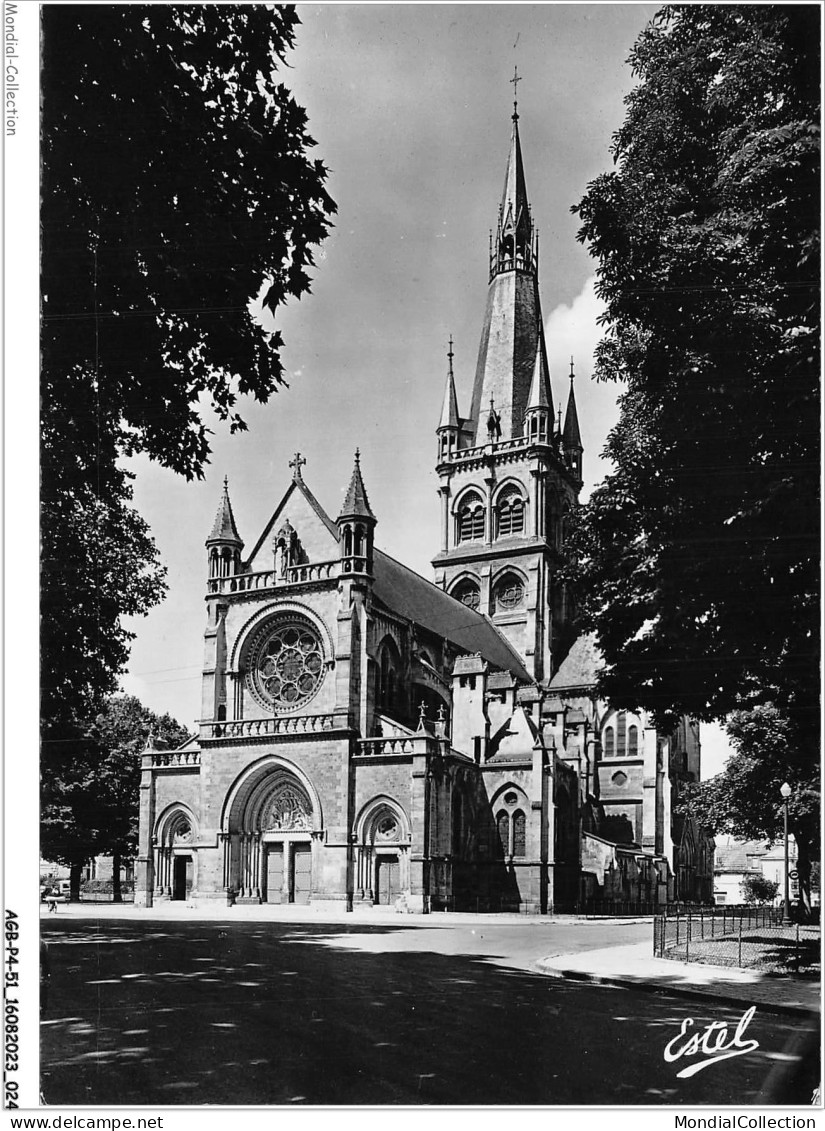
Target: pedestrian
<point x="52" y="900"/>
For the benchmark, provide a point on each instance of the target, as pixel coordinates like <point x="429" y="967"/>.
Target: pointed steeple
<point x="449" y="426"/>
<point x="356" y="525"/>
<point x="540" y="395"/>
<point x="571" y="437"/>
<point x="449" y="410"/>
<point x="512" y="321"/>
<point x="356" y="504"/>
<point x="224" y="542"/>
<point x="538" y="418"/>
<point x="224" y="529"/>
<point x="514" y="245"/>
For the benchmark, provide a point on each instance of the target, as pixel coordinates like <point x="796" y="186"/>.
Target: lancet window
<point x="510" y="513"/>
<point x="470" y="518"/>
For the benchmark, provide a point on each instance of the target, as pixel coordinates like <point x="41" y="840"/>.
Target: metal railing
<point x="745" y="937"/>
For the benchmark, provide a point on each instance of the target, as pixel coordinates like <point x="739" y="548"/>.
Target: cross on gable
<point x="297" y="464"/>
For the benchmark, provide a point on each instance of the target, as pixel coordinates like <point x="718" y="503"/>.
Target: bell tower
<point x="507" y="478"/>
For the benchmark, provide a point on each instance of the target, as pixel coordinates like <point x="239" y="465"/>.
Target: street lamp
<point x="785" y="790"/>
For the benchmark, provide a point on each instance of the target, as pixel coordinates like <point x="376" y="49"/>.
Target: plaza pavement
<point x="633" y="965"/>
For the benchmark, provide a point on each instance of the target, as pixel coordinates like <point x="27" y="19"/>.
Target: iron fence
<point x="745" y="937"/>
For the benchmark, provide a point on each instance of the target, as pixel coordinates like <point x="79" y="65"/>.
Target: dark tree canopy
<point x="698" y="557"/>
<point x="176" y="188"/>
<point x="90" y="794"/>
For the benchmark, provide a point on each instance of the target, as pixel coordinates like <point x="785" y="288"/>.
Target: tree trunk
<point x="117" y="896"/>
<point x="803" y="868"/>
<point x="75" y="876"/>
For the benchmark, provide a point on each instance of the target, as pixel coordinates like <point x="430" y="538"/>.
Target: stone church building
<point x="369" y="737"/>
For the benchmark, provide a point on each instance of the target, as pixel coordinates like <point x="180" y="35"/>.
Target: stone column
<point x="419" y="826"/>
<point x="444" y="492"/>
<point x="145" y="865"/>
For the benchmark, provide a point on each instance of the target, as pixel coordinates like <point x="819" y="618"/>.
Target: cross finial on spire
<point x="515" y="80"/>
<point x="559" y="417"/>
<point x="297" y="464"/>
<point x="571" y="369"/>
<point x="226" y="482"/>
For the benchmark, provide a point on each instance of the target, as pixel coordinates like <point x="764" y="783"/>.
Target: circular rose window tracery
<point x="287" y="664"/>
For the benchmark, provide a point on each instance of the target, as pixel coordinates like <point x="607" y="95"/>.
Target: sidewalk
<point x="636" y="966"/>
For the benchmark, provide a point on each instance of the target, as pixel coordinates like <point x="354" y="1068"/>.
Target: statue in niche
<point x="287" y="547"/>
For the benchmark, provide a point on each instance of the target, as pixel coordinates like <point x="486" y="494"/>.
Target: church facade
<point x="370" y="738"/>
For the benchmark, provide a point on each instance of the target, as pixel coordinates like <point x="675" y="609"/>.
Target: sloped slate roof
<point x="580" y="666"/>
<point x="356" y="502"/>
<point x="738" y="856"/>
<point x="403" y="591"/>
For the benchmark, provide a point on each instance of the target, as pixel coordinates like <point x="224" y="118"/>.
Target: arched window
<point x="468" y="592"/>
<point x="621" y="738"/>
<point x="621" y="734"/>
<point x="388" y="664"/>
<point x="508" y="593"/>
<point x="470" y="518"/>
<point x="509" y="513"/>
<point x="519" y="834"/>
<point x="503" y="827"/>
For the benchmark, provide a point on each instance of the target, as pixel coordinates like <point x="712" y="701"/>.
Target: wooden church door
<point x="387" y="879"/>
<point x="275" y="873"/>
<point x="302" y="872"/>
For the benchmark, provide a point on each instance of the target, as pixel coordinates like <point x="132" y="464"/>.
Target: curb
<point x="631" y="982"/>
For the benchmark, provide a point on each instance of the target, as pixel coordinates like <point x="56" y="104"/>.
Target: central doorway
<point x="288" y="871"/>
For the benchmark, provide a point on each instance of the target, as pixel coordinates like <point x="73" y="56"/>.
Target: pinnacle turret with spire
<point x="224" y="543"/>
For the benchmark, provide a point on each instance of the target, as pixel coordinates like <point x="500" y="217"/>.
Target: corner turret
<point x="224" y="544"/>
<point x="449" y="427"/>
<point x="356" y="526"/>
<point x="538" y="419"/>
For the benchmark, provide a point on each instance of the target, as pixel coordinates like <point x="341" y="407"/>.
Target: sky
<point x="410" y="106"/>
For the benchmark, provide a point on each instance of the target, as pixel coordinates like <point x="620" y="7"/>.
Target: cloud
<point x="572" y="330"/>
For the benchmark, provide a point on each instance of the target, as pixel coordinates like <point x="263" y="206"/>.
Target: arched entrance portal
<point x="382" y="862"/>
<point x="175" y="840"/>
<point x="271" y="829"/>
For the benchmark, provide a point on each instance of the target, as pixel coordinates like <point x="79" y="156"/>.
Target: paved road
<point x="160" y="1012"/>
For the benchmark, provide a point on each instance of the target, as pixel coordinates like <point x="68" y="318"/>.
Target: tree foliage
<point x="758" y="889"/>
<point x="90" y="794"/>
<point x="698" y="557"/>
<point x="176" y="188"/>
<point x="744" y="800"/>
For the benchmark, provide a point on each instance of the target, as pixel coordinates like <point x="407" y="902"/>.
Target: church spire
<point x="571" y="437"/>
<point x="449" y="410"/>
<point x="449" y="426"/>
<point x="538" y="419"/>
<point x="356" y="504"/>
<point x="512" y="322"/>
<point x="356" y="525"/>
<point x="224" y="543"/>
<point x="515" y="246"/>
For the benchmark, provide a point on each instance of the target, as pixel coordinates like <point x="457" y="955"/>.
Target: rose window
<point x="288" y="665"/>
<point x="509" y="594"/>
